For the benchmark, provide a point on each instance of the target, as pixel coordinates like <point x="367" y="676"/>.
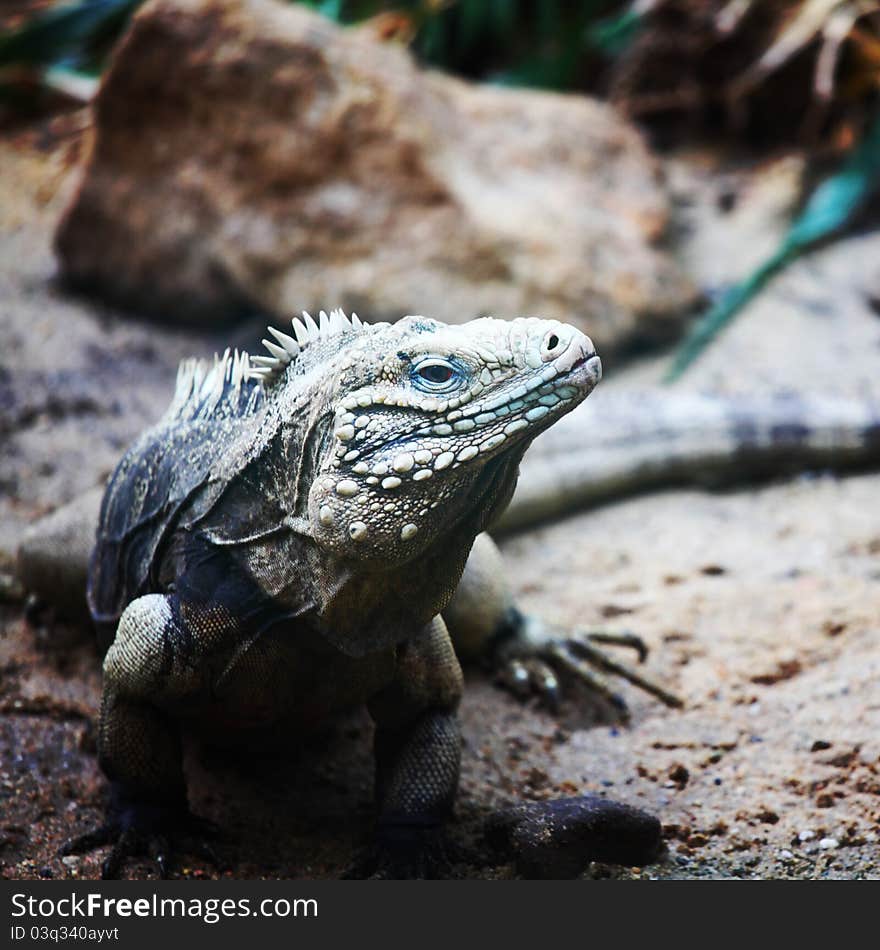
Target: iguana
<point x="300" y="533"/>
<point x="239" y="538"/>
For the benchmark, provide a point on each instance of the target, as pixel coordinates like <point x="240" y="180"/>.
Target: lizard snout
<point x="562" y="339"/>
<point x="566" y="348"/>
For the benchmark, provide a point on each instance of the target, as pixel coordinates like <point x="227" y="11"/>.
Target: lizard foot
<point x="402" y="853"/>
<point x="534" y="655"/>
<point x="160" y="832"/>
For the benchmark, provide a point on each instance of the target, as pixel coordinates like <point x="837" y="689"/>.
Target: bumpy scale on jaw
<point x="421" y="408"/>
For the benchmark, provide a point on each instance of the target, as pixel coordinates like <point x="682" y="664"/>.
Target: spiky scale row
<point x="203" y="385"/>
<point x="287" y="348"/>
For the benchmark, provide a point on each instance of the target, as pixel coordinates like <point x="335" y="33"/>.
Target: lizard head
<point x="429" y="424"/>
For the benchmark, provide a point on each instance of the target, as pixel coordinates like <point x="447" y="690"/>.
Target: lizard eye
<point x="435" y="374"/>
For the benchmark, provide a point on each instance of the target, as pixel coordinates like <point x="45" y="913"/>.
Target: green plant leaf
<point x="835" y="201"/>
<point x="829" y="209"/>
<point x="613" y="35"/>
<point x="65" y="34"/>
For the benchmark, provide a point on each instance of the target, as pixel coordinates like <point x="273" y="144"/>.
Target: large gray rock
<point x="252" y="154"/>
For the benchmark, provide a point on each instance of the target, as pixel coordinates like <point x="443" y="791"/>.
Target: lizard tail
<point x="619" y="444"/>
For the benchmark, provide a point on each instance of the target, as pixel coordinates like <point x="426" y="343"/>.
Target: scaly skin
<point x="282" y="544"/>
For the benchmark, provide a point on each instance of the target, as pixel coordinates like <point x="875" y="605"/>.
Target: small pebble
<point x="806" y="835"/>
<point x="556" y="839"/>
<point x="70" y="861"/>
<point x="828" y="844"/>
<point x="785" y="854"/>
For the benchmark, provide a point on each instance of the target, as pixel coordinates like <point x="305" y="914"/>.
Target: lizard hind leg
<point x="531" y="656"/>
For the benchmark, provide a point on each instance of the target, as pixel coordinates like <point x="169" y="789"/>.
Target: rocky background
<point x="337" y="169"/>
<point x="339" y="172"/>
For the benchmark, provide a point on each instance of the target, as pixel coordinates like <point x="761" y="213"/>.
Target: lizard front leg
<point x="156" y="661"/>
<point x="418" y="753"/>
<point x="484" y="620"/>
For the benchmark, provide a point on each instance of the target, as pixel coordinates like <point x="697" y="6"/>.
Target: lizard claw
<point x="578" y="652"/>
<point x="146" y="829"/>
<point x="125" y="846"/>
<point x="535" y="656"/>
<point x="402" y="853"/>
<point x="531" y="677"/>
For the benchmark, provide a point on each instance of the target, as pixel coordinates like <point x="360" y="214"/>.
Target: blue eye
<point x="435" y="374"/>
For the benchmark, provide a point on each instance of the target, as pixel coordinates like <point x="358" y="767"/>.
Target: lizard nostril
<point x="553" y="344"/>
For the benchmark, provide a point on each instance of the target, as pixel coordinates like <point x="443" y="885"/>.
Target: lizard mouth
<point x="571" y="378"/>
<point x="508" y="421"/>
<point x="495" y="433"/>
<point x="466" y="433"/>
<point x="539" y="403"/>
<point x="587" y="370"/>
<point x="503" y="442"/>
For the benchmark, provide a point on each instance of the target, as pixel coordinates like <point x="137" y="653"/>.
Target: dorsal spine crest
<point x="206" y="388"/>
<point x="286" y="348"/>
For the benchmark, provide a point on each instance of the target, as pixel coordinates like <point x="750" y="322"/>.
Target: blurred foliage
<point x="768" y="66"/>
<point x="54" y="55"/>
<point x="832" y="206"/>
<point x="764" y="70"/>
<point x="553" y="44"/>
<point x="48" y="50"/>
<point x="546" y="43"/>
<point x="76" y="36"/>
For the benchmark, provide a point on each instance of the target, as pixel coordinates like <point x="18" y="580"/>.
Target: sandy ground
<point x="762" y="606"/>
